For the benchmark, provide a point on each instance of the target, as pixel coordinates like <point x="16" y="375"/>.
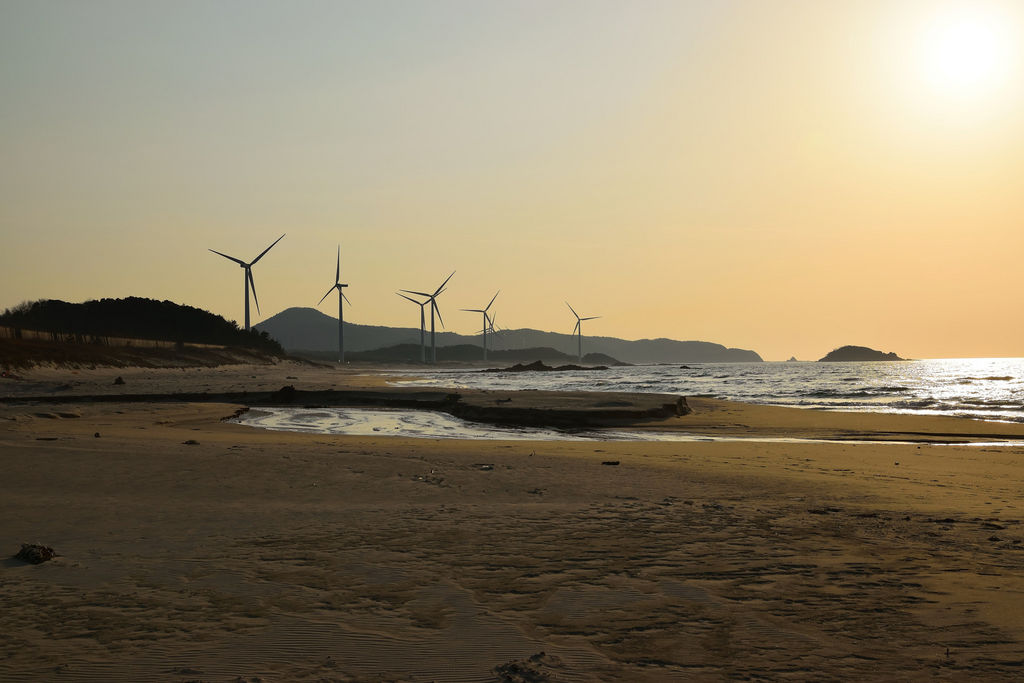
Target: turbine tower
<point x="341" y="311"/>
<point x="578" y="330"/>
<point x="487" y="320"/>
<point x="432" y="298"/>
<point x="423" y="344"/>
<point x="247" y="267"/>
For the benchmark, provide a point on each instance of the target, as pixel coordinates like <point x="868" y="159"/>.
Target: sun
<point x="966" y="52"/>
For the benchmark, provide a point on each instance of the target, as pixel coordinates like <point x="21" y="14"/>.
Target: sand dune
<point x="286" y="556"/>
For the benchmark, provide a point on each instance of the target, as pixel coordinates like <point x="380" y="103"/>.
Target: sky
<point x="787" y="176"/>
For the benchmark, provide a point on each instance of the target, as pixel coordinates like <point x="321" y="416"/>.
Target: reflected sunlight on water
<point x="985" y="388"/>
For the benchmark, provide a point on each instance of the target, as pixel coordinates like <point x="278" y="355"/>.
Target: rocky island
<point x="857" y="353"/>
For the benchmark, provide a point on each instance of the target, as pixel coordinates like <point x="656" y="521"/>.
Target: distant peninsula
<point x="857" y="353"/>
<point x="310" y="333"/>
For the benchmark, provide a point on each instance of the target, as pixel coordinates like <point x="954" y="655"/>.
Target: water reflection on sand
<point x="429" y="424"/>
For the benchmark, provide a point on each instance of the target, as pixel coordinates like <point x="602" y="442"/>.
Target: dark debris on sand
<point x="34" y="553"/>
<point x="529" y="670"/>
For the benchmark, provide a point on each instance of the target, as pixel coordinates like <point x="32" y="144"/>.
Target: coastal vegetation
<point x="115" y="322"/>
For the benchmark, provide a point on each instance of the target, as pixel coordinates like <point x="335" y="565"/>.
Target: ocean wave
<point x="969" y="380"/>
<point x="922" y="403"/>
<point x="859" y="393"/>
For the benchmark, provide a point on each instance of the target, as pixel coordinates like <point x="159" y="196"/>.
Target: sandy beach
<point x="193" y="549"/>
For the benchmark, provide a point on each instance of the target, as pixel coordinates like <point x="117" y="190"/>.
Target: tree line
<point x="98" y="321"/>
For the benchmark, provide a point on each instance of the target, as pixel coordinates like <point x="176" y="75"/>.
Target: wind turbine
<point x="341" y="311"/>
<point x="487" y="320"/>
<point x="248" y="277"/>
<point x="578" y="330"/>
<point x="432" y="298"/>
<point x="423" y="344"/>
<point x="492" y="326"/>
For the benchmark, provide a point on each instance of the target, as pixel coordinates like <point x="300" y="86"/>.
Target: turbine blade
<point x="593" y="317"/>
<point x="492" y="299"/>
<point x="325" y="296"/>
<point x="408" y="298"/>
<point x="409" y="291"/>
<point x="337" y="273"/>
<point x="252" y="286"/>
<point x="232" y="258"/>
<point x="472" y="310"/>
<point x="439" y="289"/>
<point x="573" y="310"/>
<point x="345" y="298"/>
<point x="438" y="311"/>
<point x="266" y="250"/>
<point x="576" y="328"/>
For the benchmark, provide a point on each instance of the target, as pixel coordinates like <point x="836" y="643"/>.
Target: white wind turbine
<point x="247" y="267"/>
<point x="432" y="298"/>
<point x="341" y="311"/>
<point x="423" y="344"/>
<point x="578" y="330"/>
<point x="487" y="320"/>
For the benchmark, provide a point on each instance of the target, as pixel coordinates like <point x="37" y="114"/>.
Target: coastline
<point x="285" y="555"/>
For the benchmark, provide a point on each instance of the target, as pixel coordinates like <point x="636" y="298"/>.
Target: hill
<point x="461" y="353"/>
<point x="857" y="353"/>
<point x="122" y="322"/>
<point x="308" y="330"/>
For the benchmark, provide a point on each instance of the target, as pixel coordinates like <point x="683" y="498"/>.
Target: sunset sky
<point x="783" y="176"/>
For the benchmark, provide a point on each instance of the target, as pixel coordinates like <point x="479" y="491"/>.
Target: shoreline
<point x="196" y="549"/>
<point x="294" y="385"/>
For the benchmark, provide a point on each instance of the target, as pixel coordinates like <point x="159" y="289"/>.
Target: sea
<point x="980" y="388"/>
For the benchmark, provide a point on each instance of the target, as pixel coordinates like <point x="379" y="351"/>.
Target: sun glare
<point x="966" y="52"/>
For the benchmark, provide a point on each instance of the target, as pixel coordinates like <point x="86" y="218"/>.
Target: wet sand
<point x="287" y="556"/>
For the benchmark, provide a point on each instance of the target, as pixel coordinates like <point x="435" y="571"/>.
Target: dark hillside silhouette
<point x="857" y="353"/>
<point x="103" y="321"/>
<point x="307" y="332"/>
<point x="462" y="353"/>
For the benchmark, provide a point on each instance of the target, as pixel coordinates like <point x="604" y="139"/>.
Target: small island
<point x="539" y="366"/>
<point x="857" y="353"/>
